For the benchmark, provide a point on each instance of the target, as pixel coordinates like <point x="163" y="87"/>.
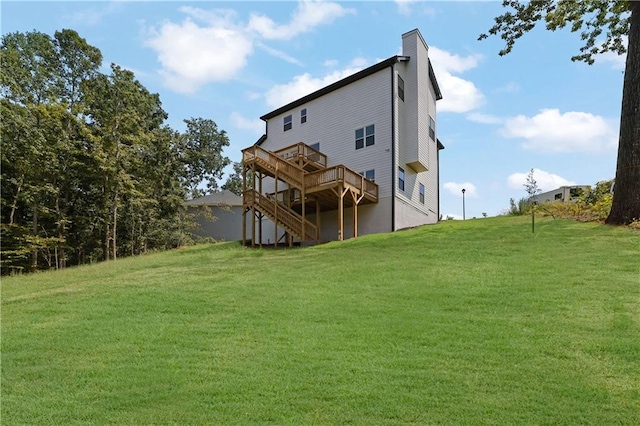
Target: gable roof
<point x="348" y="80"/>
<point x="222" y="198"/>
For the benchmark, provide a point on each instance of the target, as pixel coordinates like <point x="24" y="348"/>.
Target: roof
<point x="222" y="198"/>
<point x="346" y="81"/>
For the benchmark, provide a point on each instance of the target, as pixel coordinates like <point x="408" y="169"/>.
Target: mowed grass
<point x="475" y="322"/>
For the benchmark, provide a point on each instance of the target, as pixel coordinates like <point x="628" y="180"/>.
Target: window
<point x="575" y="192"/>
<point x="288" y="122"/>
<point x="432" y="128"/>
<point x="315" y="146"/>
<point x="557" y="197"/>
<point x="401" y="178"/>
<point x="303" y="116"/>
<point x="365" y="136"/>
<point x="369" y="174"/>
<point x="422" y="193"/>
<point x="400" y="88"/>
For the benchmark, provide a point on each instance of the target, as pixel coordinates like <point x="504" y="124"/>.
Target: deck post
<point x="244" y="202"/>
<point x="304" y="202"/>
<point x="261" y="215"/>
<point x="317" y="220"/>
<point x="355" y="215"/>
<point x="275" y="209"/>
<point x="341" y="216"/>
<point x="253" y="226"/>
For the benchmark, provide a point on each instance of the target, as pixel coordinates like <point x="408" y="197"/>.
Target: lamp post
<point x="463" y="214"/>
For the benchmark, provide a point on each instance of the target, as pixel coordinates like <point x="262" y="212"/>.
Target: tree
<point x="234" y="181"/>
<point x="531" y="186"/>
<point x="200" y="151"/>
<point x="615" y="19"/>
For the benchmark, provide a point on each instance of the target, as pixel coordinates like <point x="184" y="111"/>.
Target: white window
<point x="303" y="116"/>
<point x="422" y="193"/>
<point x="369" y="174"/>
<point x="288" y="124"/>
<point x="401" y="178"/>
<point x="432" y="128"/>
<point x="365" y="136"/>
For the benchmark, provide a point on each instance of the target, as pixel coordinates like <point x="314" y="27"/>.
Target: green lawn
<point x="475" y="322"/>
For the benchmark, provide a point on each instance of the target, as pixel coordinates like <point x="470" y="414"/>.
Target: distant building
<point x="226" y="209"/>
<point x="359" y="156"/>
<point x="564" y="194"/>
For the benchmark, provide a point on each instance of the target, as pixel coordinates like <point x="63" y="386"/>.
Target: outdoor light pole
<point x="463" y="215"/>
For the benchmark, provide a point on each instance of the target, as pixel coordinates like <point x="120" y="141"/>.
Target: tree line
<point x="90" y="171"/>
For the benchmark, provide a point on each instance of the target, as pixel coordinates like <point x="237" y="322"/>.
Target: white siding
<point x="332" y="121"/>
<point x="413" y="134"/>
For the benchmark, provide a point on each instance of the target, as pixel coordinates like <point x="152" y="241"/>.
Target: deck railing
<point x="273" y="163"/>
<point x="341" y="174"/>
<point x="304" y="151"/>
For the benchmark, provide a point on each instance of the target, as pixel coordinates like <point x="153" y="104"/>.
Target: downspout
<point x="393" y="149"/>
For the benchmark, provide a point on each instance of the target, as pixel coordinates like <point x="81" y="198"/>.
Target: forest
<point x="90" y="169"/>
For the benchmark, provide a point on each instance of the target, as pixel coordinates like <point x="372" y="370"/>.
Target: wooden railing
<point x="304" y="151"/>
<point x="286" y="218"/>
<point x="341" y="174"/>
<point x="274" y="163"/>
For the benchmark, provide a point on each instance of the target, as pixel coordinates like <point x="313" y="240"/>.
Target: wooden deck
<point x="311" y="187"/>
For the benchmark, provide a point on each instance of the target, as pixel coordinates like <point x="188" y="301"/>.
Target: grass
<point x="475" y="322"/>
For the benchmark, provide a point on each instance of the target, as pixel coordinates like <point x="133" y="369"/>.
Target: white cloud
<point x="551" y="131"/>
<point x="304" y="84"/>
<point x="459" y="95"/>
<point x="456" y="189"/>
<point x="193" y="55"/>
<point x="452" y="62"/>
<point x="406" y="7"/>
<point x="93" y="16"/>
<point x="279" y="54"/>
<point x="308" y="15"/>
<point x="545" y="181"/>
<point x="479" y="117"/>
<point x="252" y="96"/>
<point x="212" y="45"/>
<point x="256" y="126"/>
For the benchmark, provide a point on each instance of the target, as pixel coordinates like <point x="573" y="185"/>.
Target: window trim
<point x="366" y="139"/>
<point x="401" y="178"/>
<point x="421" y="191"/>
<point x="303" y="115"/>
<point x="373" y="173"/>
<point x="432" y="128"/>
<point x="288" y="121"/>
<point x="401" y="88"/>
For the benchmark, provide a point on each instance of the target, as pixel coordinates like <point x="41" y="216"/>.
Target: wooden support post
<point x="304" y="217"/>
<point x="317" y="220"/>
<point x="340" y="216"/>
<point x="275" y="210"/>
<point x="244" y="204"/>
<point x="355" y="215"/>
<point x="253" y="226"/>
<point x="260" y="176"/>
<point x="244" y="225"/>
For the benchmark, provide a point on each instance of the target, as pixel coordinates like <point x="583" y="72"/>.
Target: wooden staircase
<point x="279" y="213"/>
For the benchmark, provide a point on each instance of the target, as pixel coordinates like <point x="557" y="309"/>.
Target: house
<point x="218" y="215"/>
<point x="564" y="193"/>
<point x="359" y="156"/>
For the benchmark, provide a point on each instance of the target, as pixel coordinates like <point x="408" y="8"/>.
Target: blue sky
<point x="235" y="61"/>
